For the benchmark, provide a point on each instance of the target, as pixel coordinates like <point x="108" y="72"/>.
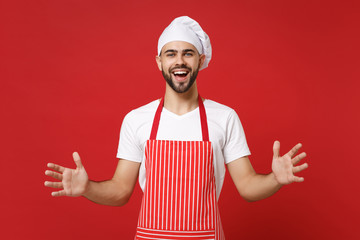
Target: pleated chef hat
<point x="187" y="30"/>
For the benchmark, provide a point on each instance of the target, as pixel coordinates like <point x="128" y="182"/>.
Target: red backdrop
<point x="71" y="70"/>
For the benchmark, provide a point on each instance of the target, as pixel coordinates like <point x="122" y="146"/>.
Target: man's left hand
<point x="284" y="167"/>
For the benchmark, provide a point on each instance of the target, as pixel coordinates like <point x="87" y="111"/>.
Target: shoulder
<point x="143" y="111"/>
<point x="140" y="116"/>
<point x="211" y="104"/>
<point x="218" y="110"/>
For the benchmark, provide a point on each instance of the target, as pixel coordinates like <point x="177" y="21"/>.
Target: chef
<point x="177" y="148"/>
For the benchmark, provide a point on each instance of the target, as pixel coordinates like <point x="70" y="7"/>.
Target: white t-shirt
<point x="225" y="133"/>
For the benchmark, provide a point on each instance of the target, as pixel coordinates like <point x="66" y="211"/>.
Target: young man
<point x="178" y="147"/>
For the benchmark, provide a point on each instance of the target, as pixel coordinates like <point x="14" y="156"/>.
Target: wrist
<point x="87" y="188"/>
<point x="277" y="183"/>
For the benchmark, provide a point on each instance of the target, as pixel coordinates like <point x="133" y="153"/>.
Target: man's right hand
<point x="73" y="182"/>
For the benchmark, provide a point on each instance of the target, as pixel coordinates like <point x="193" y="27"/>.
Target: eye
<point x="170" y="54"/>
<point x="188" y="54"/>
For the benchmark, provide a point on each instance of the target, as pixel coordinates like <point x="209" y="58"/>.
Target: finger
<point x="77" y="160"/>
<point x="298" y="158"/>
<point x="53" y="174"/>
<point x="298" y="179"/>
<point x="59" y="193"/>
<point x="294" y="150"/>
<point x="53" y="184"/>
<point x="300" y="168"/>
<point x="56" y="167"/>
<point x="276" y="149"/>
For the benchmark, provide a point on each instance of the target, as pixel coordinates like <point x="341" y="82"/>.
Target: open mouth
<point x="180" y="75"/>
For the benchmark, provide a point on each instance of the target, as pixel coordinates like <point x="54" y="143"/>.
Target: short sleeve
<point x="129" y="147"/>
<point x="236" y="145"/>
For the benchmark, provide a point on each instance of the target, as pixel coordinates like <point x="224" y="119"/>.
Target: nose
<point x="179" y="60"/>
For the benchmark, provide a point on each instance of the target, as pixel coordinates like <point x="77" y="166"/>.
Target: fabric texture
<point x="187" y="30"/>
<point x="225" y="132"/>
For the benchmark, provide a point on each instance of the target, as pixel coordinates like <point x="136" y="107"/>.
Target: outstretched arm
<point x="254" y="187"/>
<point x="75" y="182"/>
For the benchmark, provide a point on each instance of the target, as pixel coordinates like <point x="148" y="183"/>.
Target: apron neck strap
<point x="203" y="120"/>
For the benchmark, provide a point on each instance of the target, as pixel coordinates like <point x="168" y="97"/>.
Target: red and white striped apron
<point x="179" y="200"/>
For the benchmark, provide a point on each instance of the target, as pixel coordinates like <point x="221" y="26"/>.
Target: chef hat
<point x="187" y="30"/>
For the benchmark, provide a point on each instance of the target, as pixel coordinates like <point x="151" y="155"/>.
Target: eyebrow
<point x="188" y="50"/>
<point x="175" y="51"/>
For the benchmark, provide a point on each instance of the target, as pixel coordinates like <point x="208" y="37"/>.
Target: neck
<point x="181" y="103"/>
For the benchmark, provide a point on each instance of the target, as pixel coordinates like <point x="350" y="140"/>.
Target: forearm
<point x="259" y="186"/>
<point x="110" y="192"/>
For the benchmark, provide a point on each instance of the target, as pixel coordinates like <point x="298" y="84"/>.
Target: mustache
<point x="183" y="66"/>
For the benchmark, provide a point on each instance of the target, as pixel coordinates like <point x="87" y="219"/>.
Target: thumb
<point x="77" y="160"/>
<point x="276" y="149"/>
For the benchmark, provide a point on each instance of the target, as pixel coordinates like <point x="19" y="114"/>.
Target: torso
<point x="187" y="128"/>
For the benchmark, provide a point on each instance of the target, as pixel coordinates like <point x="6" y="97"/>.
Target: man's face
<point x="179" y="62"/>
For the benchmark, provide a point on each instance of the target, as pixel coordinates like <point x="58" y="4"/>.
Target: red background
<point x="71" y="70"/>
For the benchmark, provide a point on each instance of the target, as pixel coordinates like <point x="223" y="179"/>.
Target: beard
<point x="184" y="86"/>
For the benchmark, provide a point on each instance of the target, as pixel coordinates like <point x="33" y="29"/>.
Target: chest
<point x="183" y="129"/>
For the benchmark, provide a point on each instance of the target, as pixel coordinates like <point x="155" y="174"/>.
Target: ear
<point x="158" y="61"/>
<point x="201" y="60"/>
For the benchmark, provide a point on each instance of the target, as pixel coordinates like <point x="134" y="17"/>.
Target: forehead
<point x="178" y="46"/>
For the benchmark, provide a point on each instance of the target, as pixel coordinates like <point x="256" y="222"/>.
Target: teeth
<point x="180" y="72"/>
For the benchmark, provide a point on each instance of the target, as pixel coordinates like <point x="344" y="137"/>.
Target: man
<point x="177" y="146"/>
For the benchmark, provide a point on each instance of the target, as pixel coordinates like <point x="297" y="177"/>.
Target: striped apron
<point x="179" y="200"/>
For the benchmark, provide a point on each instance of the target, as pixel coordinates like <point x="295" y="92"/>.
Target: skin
<point x="117" y="191"/>
<point x="180" y="103"/>
<point x="179" y="59"/>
